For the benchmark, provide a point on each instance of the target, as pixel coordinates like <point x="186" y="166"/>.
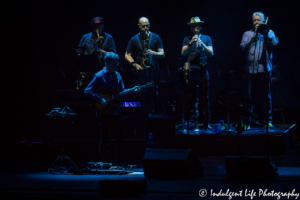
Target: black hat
<point x="97" y="20"/>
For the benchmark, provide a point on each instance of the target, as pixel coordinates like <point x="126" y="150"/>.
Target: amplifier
<point x="134" y="101"/>
<point x="133" y="107"/>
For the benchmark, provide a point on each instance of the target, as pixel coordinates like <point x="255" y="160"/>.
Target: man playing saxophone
<point x="92" y="48"/>
<point x="144" y="46"/>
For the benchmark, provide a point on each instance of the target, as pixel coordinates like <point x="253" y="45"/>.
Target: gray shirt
<point x="255" y="62"/>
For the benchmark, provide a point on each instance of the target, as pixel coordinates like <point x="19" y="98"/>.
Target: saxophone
<point x="147" y="60"/>
<point x="99" y="41"/>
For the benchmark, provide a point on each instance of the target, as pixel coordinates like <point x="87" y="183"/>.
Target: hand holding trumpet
<point x="195" y="38"/>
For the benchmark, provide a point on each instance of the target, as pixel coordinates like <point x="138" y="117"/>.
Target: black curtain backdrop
<point x="42" y="37"/>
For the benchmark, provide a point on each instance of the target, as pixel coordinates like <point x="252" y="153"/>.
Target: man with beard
<point x="197" y="47"/>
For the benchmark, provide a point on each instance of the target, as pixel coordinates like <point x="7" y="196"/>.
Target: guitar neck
<point x="132" y="90"/>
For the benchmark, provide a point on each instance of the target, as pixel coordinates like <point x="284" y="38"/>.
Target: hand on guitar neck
<point x="116" y="97"/>
<point x="113" y="99"/>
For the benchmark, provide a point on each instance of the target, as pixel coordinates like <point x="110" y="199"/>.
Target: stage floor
<point x="252" y="142"/>
<point x="34" y="182"/>
<point x="29" y="178"/>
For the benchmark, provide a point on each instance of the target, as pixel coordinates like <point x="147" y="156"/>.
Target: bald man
<point x="136" y="47"/>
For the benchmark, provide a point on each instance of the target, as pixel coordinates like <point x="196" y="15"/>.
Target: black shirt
<point x="193" y="56"/>
<point x="136" y="48"/>
<point x="89" y="61"/>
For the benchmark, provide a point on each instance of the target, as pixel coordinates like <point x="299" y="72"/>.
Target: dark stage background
<point x="45" y="35"/>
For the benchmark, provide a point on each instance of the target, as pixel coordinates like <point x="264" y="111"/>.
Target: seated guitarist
<point x="108" y="81"/>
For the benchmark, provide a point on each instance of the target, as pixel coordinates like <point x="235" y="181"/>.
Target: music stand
<point x="62" y="116"/>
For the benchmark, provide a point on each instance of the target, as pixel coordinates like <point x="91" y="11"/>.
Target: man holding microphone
<point x="258" y="63"/>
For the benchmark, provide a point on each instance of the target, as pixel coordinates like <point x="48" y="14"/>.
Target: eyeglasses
<point x="145" y="26"/>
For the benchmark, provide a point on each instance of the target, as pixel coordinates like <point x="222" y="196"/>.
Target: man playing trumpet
<point x="197" y="47"/>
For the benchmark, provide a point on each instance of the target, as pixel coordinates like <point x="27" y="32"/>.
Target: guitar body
<point x="110" y="99"/>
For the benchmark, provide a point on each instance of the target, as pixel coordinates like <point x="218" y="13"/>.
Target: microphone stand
<point x="156" y="82"/>
<point x="266" y="43"/>
<point x="267" y="81"/>
<point x="186" y="96"/>
<point x="205" y="90"/>
<point x="98" y="53"/>
<point x="252" y="41"/>
<point x="203" y="63"/>
<point x="265" y="34"/>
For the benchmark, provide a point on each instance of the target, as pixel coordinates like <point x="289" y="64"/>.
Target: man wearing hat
<point x="92" y="55"/>
<point x="197" y="47"/>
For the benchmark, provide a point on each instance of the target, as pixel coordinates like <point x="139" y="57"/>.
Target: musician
<point x="197" y="47"/>
<point x="108" y="81"/>
<point x="135" y="49"/>
<point x="256" y="68"/>
<point x="92" y="60"/>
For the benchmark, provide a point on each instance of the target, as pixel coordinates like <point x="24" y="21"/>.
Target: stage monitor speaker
<point x="171" y="164"/>
<point x="256" y="168"/>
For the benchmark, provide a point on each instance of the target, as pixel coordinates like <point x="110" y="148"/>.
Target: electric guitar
<point x="113" y="99"/>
